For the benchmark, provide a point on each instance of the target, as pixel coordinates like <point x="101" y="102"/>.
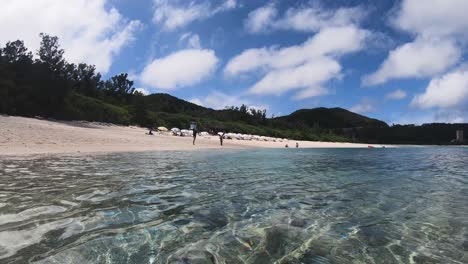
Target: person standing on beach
<point x="297" y="144"/>
<point x="194" y="135"/>
<point x="221" y="136"/>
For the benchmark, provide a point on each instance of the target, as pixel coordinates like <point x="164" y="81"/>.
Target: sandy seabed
<point x="30" y="136"/>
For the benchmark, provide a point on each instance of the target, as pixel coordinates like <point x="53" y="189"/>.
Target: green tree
<point x="243" y="109"/>
<point x="140" y="110"/>
<point x="85" y="79"/>
<point x="16" y="51"/>
<point x="120" y="84"/>
<point x="51" y="54"/>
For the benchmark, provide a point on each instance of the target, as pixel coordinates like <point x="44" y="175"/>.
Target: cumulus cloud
<point x="179" y="69"/>
<point x="421" y="58"/>
<point x="396" y="95"/>
<point x="89" y="31"/>
<point x="176" y="14"/>
<point x="433" y="17"/>
<point x="260" y="18"/>
<point x="440" y="28"/>
<point x="306" y="67"/>
<point x="191" y="40"/>
<point x="328" y="42"/>
<point x="306" y="18"/>
<point x="366" y="105"/>
<point x="450" y="90"/>
<point x="308" y="76"/>
<point x="219" y="100"/>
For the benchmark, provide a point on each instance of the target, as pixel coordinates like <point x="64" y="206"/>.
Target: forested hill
<point x="47" y="85"/>
<point x="331" y="118"/>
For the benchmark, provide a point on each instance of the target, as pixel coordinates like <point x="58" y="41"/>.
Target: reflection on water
<point x="252" y="206"/>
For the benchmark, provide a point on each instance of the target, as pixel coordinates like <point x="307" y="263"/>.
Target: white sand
<point x="29" y="136"/>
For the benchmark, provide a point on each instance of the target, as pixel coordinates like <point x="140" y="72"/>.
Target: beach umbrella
<point x="163" y="129"/>
<point x="186" y="132"/>
<point x="175" y="131"/>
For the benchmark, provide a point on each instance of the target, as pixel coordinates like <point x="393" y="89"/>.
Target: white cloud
<point x="310" y="91"/>
<point x="192" y="40"/>
<point x="219" y="100"/>
<point x="260" y="19"/>
<point x="433" y="17"/>
<point x="89" y="31"/>
<point x="328" y="42"/>
<point x="396" y="95"/>
<point x="306" y="18"/>
<point x="249" y="60"/>
<point x="180" y="69"/>
<point x="450" y="90"/>
<point x="432" y="21"/>
<point x="421" y="58"/>
<point x="142" y="90"/>
<point x="364" y="106"/>
<point x="308" y="76"/>
<point x="440" y="28"/>
<point x="306" y="67"/>
<point x="175" y="14"/>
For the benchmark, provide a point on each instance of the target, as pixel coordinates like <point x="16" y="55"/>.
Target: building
<point x="459" y="137"/>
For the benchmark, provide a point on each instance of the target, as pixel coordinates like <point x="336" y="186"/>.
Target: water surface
<point x="251" y="206"/>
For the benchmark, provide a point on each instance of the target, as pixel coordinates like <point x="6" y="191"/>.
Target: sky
<point x="399" y="61"/>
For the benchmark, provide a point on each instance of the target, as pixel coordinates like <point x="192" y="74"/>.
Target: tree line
<point x="47" y="85"/>
<point x="258" y="114"/>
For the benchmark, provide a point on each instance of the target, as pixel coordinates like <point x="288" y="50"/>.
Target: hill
<point x="329" y="118"/>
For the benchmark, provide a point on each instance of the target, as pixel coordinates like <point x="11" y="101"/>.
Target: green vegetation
<point x="50" y="87"/>
<point x="330" y="118"/>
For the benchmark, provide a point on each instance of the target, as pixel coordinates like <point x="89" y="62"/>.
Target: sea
<point x="389" y="205"/>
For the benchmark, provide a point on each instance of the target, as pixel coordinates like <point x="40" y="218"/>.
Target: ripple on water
<point x="253" y="206"/>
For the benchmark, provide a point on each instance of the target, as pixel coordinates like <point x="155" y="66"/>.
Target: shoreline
<point x="22" y="136"/>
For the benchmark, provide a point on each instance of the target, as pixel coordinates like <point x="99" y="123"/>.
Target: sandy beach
<point x="30" y="136"/>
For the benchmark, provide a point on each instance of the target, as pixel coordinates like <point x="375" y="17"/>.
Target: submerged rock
<point x="312" y="251"/>
<point x="298" y="222"/>
<point x="424" y="259"/>
<point x="400" y="251"/>
<point x="118" y="255"/>
<point x="193" y="256"/>
<point x="261" y="258"/>
<point x="275" y="240"/>
<point x="214" y="218"/>
<point x="314" y="259"/>
<point x="382" y="255"/>
<point x="374" y="236"/>
<point x="141" y="256"/>
<point x="465" y="245"/>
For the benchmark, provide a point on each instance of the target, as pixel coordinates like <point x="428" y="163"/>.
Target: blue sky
<point x="399" y="61"/>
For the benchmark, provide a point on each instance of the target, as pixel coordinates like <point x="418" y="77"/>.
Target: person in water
<point x="194" y="135"/>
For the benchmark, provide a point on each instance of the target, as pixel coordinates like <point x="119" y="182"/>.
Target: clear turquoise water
<point x="405" y="205"/>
